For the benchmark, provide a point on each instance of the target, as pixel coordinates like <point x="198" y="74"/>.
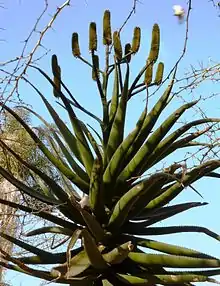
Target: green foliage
<point x="119" y="204"/>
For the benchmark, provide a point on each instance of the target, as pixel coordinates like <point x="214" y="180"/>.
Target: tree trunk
<point x="8" y="220"/>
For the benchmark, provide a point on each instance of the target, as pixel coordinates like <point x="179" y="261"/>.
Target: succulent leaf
<point x="117" y="130"/>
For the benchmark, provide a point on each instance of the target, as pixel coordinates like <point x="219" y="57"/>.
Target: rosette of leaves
<point x="120" y="206"/>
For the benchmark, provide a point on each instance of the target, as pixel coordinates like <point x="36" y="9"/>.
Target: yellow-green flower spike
<point x="159" y="74"/>
<point x="54" y="64"/>
<point x="57" y="75"/>
<point x="136" y="40"/>
<point x="75" y="45"/>
<point x="148" y="73"/>
<point x="155" y="44"/>
<point x="92" y="37"/>
<point x="128" y="52"/>
<point x="57" y="82"/>
<point x="117" y="45"/>
<point x="96" y="64"/>
<point x="107" y="34"/>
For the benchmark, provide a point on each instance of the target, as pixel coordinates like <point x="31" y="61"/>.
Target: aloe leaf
<point x="36" y="259"/>
<point x="93" y="252"/>
<point x="132" y="228"/>
<point x="81" y="281"/>
<point x="168" y="212"/>
<point x="68" y="186"/>
<point x="96" y="133"/>
<point x="28" y="190"/>
<point x="41" y="214"/>
<point x="114" y="166"/>
<point x="22" y="268"/>
<point x="129" y="199"/>
<point x="80" y="144"/>
<point x="57" y="190"/>
<point x="93" y="225"/>
<point x="76" y="168"/>
<point x="213" y="175"/>
<point x="71" y="244"/>
<point x="112" y="112"/>
<point x="155" y="213"/>
<point x="164" y="279"/>
<point x="106" y="283"/>
<point x="72" y="101"/>
<point x="76" y="104"/>
<point x="190" y="177"/>
<point x="64" y="130"/>
<point x="78" y="263"/>
<point x="26" y="246"/>
<point x="172" y="261"/>
<point x="66" y="171"/>
<point x="92" y="140"/>
<point x="64" y="149"/>
<point x="85" y="152"/>
<point x="158" y="181"/>
<point x="136" y="164"/>
<point x="171" y="249"/>
<point x="150" y="120"/>
<point x="115" y="97"/>
<point x="134" y="83"/>
<point x="165" y="147"/>
<point x="96" y="190"/>
<point x="117" y="130"/>
<point x="182" y="143"/>
<point x="59" y="257"/>
<point x="41" y="185"/>
<point x="118" y="254"/>
<point x="207" y="273"/>
<point x="50" y="229"/>
<point x="80" y="140"/>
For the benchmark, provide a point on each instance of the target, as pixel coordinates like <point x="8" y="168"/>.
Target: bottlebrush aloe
<point x="119" y="206"/>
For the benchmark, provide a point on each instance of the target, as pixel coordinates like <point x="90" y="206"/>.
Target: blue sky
<point x="204" y="42"/>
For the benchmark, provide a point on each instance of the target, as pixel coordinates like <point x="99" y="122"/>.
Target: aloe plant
<point x="122" y="196"/>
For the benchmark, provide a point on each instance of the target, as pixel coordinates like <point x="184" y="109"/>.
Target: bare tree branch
<point x="24" y="60"/>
